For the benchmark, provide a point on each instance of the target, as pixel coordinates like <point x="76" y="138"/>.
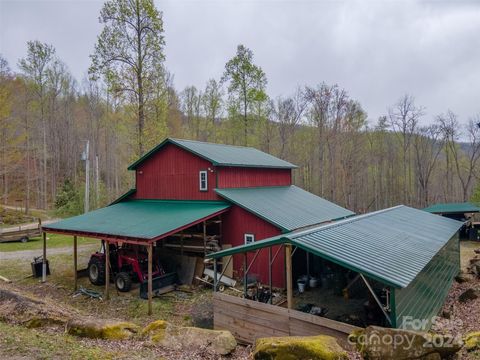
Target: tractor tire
<point x="123" y="282"/>
<point x="96" y="271"/>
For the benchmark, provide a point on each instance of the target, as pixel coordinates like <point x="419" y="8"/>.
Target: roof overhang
<point x="139" y="221"/>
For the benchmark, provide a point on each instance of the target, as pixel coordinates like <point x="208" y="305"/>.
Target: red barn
<point x="197" y="197"/>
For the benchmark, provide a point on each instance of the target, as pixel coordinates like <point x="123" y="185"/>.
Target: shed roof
<point x="141" y="219"/>
<point x="391" y="245"/>
<point x="288" y="207"/>
<point x="453" y="208"/>
<point x="222" y="155"/>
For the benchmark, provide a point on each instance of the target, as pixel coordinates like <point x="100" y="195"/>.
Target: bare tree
<point x="465" y="162"/>
<point x="428" y="144"/>
<point x="288" y="113"/>
<point x="404" y="117"/>
<point x="36" y="66"/>
<point x="212" y="103"/>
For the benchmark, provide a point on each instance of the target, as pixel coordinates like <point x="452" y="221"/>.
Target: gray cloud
<point x="377" y="50"/>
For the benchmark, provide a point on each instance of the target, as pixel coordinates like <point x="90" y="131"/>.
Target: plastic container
<point x="313" y="282"/>
<point x="301" y="286"/>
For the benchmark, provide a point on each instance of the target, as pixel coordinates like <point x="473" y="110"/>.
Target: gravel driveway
<point x="30" y="254"/>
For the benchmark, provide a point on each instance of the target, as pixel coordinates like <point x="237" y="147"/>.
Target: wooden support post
<point x="107" y="270"/>
<point x="308" y="266"/>
<point x="181" y="243"/>
<point x="379" y="303"/>
<point x="270" y="273"/>
<point x="214" y="275"/>
<point x="288" y="258"/>
<point x="205" y="238"/>
<point x="245" y="275"/>
<point x="75" y="263"/>
<point x="44" y="261"/>
<point x="150" y="250"/>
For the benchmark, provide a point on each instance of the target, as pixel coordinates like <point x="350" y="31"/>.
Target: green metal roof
<point x="391" y="245"/>
<point x="140" y="219"/>
<point x="222" y="155"/>
<point x="452" y="208"/>
<point x="288" y="207"/>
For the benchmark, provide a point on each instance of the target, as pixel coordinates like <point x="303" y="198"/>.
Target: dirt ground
<point x="190" y="307"/>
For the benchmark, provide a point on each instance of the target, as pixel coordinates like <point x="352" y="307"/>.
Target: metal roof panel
<point x="392" y="245"/>
<point x="222" y="155"/>
<point x="451" y="208"/>
<point x="288" y="207"/>
<point x="143" y="219"/>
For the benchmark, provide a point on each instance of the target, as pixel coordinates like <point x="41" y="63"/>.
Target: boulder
<point x="472" y="341"/>
<point x="396" y="344"/>
<point x="319" y="347"/>
<point x="220" y="342"/>
<point x="96" y="329"/>
<point x="467" y="295"/>
<point x="463" y="278"/>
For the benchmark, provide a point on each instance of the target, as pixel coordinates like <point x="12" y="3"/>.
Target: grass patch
<point x="53" y="241"/>
<point x="17" y="341"/>
<point x="20" y="341"/>
<point x="121" y="306"/>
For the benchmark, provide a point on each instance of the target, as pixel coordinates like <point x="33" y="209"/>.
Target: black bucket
<point x="37" y="267"/>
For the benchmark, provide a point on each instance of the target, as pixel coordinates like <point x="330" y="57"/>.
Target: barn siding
<point x="172" y="174"/>
<point x="237" y="222"/>
<point x="235" y="177"/>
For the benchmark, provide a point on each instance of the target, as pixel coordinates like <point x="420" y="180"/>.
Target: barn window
<point x="203" y="181"/>
<point x="249" y="238"/>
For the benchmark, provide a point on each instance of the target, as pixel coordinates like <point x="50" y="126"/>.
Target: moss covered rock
<point x="156" y="330"/>
<point x="320" y="347"/>
<point x="101" y="330"/>
<point x="176" y="338"/>
<point x="472" y="341"/>
<point x="396" y="344"/>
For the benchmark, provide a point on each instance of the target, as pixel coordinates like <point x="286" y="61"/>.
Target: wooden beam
<point x="107" y="269"/>
<point x="150" y="250"/>
<point x="245" y="275"/>
<point x="205" y="237"/>
<point x="270" y="273"/>
<point x="377" y="300"/>
<point x="44" y="261"/>
<point x="215" y="275"/>
<point x="75" y="277"/>
<point x="308" y="266"/>
<point x="253" y="260"/>
<point x="288" y="258"/>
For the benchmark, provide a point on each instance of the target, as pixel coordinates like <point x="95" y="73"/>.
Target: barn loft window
<point x="249" y="238"/>
<point x="203" y="180"/>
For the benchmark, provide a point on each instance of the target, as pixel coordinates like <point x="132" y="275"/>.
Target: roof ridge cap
<point x="212" y="143"/>
<point x="349" y="219"/>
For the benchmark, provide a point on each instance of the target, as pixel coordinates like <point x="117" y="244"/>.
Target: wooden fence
<point x="248" y="320"/>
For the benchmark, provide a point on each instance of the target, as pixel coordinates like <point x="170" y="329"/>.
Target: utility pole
<point x="86" y="157"/>
<point x="97" y="183"/>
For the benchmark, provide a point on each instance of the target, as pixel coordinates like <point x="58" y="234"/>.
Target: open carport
<point x="406" y="259"/>
<point x="136" y="222"/>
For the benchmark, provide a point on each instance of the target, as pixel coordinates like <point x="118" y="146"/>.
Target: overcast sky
<point x="376" y="50"/>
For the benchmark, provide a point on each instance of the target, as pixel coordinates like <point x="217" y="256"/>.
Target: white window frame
<point x="200" y="174"/>
<point x="248" y="238"/>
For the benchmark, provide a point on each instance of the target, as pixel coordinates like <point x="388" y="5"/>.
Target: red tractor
<point x="128" y="263"/>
